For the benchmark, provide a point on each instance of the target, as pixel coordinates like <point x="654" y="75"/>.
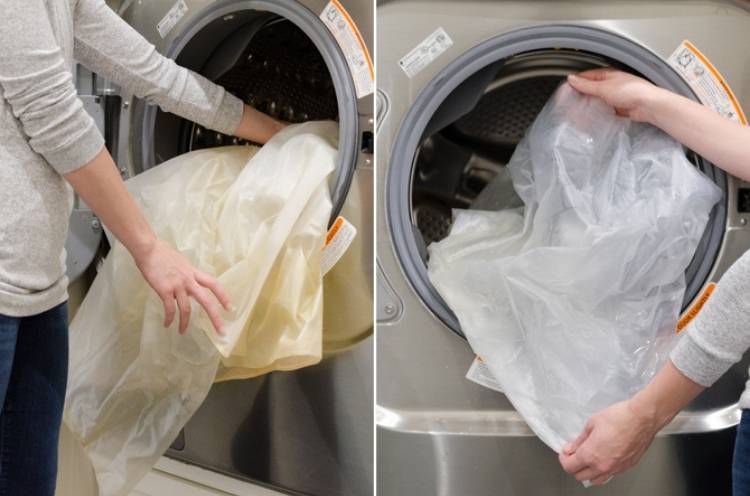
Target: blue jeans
<point x="33" y="376"/>
<point x="741" y="461"/>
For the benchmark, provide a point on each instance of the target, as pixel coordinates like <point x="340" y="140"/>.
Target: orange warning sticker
<point x="710" y="86"/>
<point x="340" y="236"/>
<point x="696" y="307"/>
<point x="334" y="229"/>
<point x="353" y="46"/>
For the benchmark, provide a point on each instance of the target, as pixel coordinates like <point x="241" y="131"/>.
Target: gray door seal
<point x="399" y="176"/>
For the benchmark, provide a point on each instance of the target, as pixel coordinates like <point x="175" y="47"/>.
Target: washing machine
<point x="459" y="82"/>
<point x="304" y="432"/>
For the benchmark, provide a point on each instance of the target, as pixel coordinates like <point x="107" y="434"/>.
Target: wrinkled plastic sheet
<point x="572" y="298"/>
<point x="256" y="219"/>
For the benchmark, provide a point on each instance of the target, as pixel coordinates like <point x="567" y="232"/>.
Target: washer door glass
<point x="465" y="125"/>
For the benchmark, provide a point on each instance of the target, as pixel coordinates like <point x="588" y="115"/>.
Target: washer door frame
<point x="400" y="173"/>
<point x="143" y="154"/>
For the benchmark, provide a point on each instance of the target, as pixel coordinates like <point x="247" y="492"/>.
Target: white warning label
<point x="170" y="20"/>
<point x="480" y="374"/>
<point x="711" y="88"/>
<point x="423" y="54"/>
<point x="339" y="238"/>
<point x="343" y="28"/>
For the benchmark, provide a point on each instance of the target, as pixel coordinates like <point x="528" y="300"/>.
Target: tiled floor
<point x="156" y="484"/>
<point x="169" y="478"/>
<point x="160" y="484"/>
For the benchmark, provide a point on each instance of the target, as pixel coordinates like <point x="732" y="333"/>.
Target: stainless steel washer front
<point x="308" y="431"/>
<point x="437" y="432"/>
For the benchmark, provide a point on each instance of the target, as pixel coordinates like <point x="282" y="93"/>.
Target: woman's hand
<point x="169" y="273"/>
<point x="174" y="279"/>
<point x="630" y="95"/>
<point x="612" y="442"/>
<point x="716" y="138"/>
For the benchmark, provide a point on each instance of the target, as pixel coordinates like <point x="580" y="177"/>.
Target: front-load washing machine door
<point x="445" y="133"/>
<point x="276" y="55"/>
<point x="308" y="431"/>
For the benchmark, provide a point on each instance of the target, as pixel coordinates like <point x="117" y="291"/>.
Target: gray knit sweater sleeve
<point x="720" y="334"/>
<point x="109" y="46"/>
<point x="37" y="85"/>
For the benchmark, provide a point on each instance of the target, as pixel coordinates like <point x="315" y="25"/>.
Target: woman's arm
<point x="167" y="271"/>
<point x="38" y="86"/>
<point x="615" y="438"/>
<point x="723" y="142"/>
<point x="109" y="46"/>
<point x="36" y="82"/>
